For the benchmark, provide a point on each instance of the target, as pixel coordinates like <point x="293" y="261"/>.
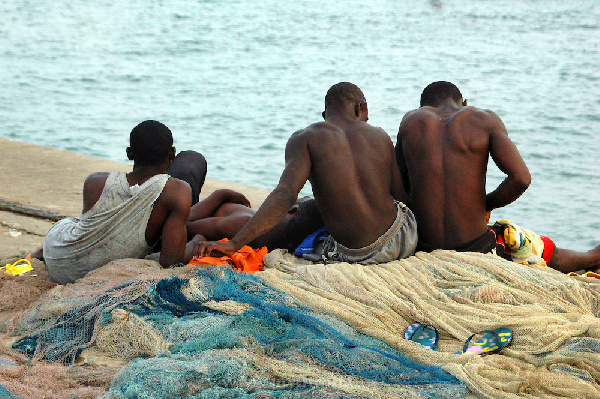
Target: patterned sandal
<point x="423" y="334"/>
<point x="487" y="342"/>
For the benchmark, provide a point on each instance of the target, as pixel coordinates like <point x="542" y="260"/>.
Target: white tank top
<point x="115" y="228"/>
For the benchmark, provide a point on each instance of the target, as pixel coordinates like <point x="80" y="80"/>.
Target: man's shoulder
<point x="178" y="186"/>
<point x="176" y="192"/>
<point x="419" y="115"/>
<point x="319" y="128"/>
<point x="479" y="112"/>
<point x="481" y="118"/>
<point x="422" y="112"/>
<point x="96" y="179"/>
<point x="315" y="131"/>
<point x="97" y="176"/>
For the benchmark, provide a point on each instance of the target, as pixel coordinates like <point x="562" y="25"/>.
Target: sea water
<point x="233" y="79"/>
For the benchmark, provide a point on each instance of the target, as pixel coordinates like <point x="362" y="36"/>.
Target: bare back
<point x="351" y="172"/>
<point x="444" y="154"/>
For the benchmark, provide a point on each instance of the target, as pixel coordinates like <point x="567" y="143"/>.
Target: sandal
<point x="423" y="334"/>
<point x="18" y="268"/>
<point x="487" y="343"/>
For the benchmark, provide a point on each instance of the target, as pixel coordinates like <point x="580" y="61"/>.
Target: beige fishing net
<point x="555" y="350"/>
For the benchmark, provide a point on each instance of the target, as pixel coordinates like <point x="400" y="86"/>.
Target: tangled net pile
<point x="555" y="352"/>
<point x="302" y="330"/>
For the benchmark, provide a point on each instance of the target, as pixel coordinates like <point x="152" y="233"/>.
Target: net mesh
<point x="554" y="318"/>
<point x="209" y="333"/>
<point x="299" y="330"/>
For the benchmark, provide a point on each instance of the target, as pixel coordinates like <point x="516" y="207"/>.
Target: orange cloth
<point x="246" y="260"/>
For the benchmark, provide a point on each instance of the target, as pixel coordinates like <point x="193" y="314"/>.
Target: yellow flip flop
<point x="18" y="268"/>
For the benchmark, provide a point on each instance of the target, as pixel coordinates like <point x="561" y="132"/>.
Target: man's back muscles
<point x="444" y="156"/>
<point x="442" y="150"/>
<point x="351" y="178"/>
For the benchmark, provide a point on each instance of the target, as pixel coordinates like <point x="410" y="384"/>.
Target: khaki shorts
<point x="398" y="242"/>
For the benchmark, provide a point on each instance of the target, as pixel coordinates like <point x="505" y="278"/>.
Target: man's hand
<point x="227" y="195"/>
<point x="215" y="248"/>
<point x="239" y="198"/>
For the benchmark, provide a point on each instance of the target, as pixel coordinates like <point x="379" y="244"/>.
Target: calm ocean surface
<point x="233" y="79"/>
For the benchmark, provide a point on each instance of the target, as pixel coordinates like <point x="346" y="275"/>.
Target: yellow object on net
<point x="18" y="268"/>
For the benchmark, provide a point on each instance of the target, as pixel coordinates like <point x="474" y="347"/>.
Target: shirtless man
<point x="125" y="214"/>
<point x="223" y="214"/>
<point x="354" y="180"/>
<point x="442" y="151"/>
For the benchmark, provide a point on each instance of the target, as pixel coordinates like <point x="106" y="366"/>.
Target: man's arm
<point x="92" y="189"/>
<point x="397" y="187"/>
<point x="279" y="201"/>
<point x="174" y="232"/>
<point x="508" y="159"/>
<point x="208" y="206"/>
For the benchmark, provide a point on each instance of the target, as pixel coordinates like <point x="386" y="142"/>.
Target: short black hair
<point x="342" y="93"/>
<point x="439" y="91"/>
<point x="150" y="143"/>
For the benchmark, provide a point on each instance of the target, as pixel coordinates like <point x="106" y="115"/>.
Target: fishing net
<point x="211" y="333"/>
<point x="33" y="303"/>
<point x="555" y="352"/>
<point x="299" y="330"/>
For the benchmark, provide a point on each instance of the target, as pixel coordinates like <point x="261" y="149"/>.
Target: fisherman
<point x="125" y="214"/>
<point x="355" y="182"/>
<point x="442" y="151"/>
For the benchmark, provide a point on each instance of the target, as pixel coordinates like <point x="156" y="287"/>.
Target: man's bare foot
<point x="567" y="261"/>
<point x="38" y="253"/>
<point x="595" y="259"/>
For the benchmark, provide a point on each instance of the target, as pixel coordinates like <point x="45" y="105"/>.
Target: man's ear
<point x="172" y="153"/>
<point x="361" y="111"/>
<point x="323" y="114"/>
<point x="129" y="153"/>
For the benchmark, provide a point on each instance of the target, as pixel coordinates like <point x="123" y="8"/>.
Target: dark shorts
<point x="484" y="244"/>
<point x="191" y="167"/>
<point x="492" y="242"/>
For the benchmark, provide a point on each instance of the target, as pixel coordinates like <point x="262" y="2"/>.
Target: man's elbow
<point x="522" y="181"/>
<point x="169" y="261"/>
<point x="286" y="194"/>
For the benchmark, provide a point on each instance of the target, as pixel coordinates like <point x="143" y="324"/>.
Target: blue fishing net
<point x="4" y="393"/>
<point x="223" y="355"/>
<point x="64" y="340"/>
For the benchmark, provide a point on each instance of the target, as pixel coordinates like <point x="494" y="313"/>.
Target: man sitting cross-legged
<point x="355" y="182"/>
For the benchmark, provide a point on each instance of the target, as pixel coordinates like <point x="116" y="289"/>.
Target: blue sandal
<point x="423" y="334"/>
<point x="487" y="343"/>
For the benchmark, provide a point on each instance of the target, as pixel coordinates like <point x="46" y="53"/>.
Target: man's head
<point x="437" y="92"/>
<point x="150" y="144"/>
<point x="346" y="97"/>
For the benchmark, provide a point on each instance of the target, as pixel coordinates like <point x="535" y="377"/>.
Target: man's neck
<point x="141" y="173"/>
<point x="449" y="105"/>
